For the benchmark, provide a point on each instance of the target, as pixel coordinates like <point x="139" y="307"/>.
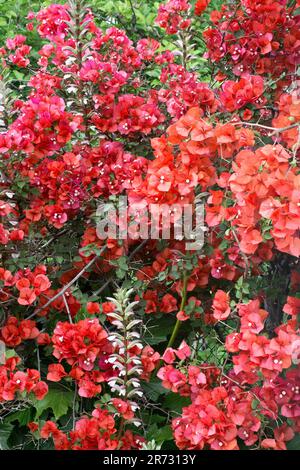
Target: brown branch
<point x="275" y="130"/>
<point x="67" y="308"/>
<point x="242" y="253"/>
<point x="66" y="287"/>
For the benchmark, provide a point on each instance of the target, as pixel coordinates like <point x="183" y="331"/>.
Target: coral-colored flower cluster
<point x="85" y="348"/>
<point x="258" y="37"/>
<point x="172" y="16"/>
<point x="95" y="433"/>
<point x="103" y="117"/>
<point x="14" y="382"/>
<point x="29" y="284"/>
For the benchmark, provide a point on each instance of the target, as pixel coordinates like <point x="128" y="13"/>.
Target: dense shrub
<point x="134" y="342"/>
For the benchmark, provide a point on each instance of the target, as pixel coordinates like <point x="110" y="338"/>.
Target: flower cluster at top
<point x="255" y="37"/>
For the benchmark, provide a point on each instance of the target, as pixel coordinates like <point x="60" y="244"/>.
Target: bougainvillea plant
<point x="138" y="342"/>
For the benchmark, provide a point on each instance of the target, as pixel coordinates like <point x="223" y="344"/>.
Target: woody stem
<point x="182" y="305"/>
<point x="178" y="322"/>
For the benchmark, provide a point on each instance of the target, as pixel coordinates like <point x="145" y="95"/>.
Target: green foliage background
<point x="136" y="17"/>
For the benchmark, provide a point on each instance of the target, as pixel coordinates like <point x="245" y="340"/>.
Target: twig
<point x="66" y="287"/>
<point x="134" y="252"/>
<point x="67" y="308"/>
<point x="74" y="406"/>
<point x="275" y="130"/>
<point x="38" y="360"/>
<point x="97" y="292"/>
<point x="242" y="253"/>
<point x="133" y="19"/>
<point x="137" y="249"/>
<point x="178" y="322"/>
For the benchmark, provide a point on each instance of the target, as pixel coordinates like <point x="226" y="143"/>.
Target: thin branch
<point x="74" y="406"/>
<point x="97" y="292"/>
<point x="134" y="252"/>
<point x="178" y="323"/>
<point x="66" y="287"/>
<point x="38" y="359"/>
<point x="67" y="308"/>
<point x="275" y="130"/>
<point x="133" y="19"/>
<point x="137" y="249"/>
<point x="242" y="253"/>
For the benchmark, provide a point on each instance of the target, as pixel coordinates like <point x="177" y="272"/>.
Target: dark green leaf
<point x="175" y="403"/>
<point x="57" y="399"/>
<point x="5" y="431"/>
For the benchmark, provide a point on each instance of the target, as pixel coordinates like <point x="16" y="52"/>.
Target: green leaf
<point x="159" y="435"/>
<point x="163" y="434"/>
<point x="58" y="399"/>
<point x="23" y="417"/>
<point x="151" y="431"/>
<point x="153" y="390"/>
<point x="156" y="339"/>
<point x="294" y="444"/>
<point x="18" y="75"/>
<point x="158" y="332"/>
<point x="254" y="404"/>
<point x="10" y="353"/>
<point x="175" y="403"/>
<point x="5" y="431"/>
